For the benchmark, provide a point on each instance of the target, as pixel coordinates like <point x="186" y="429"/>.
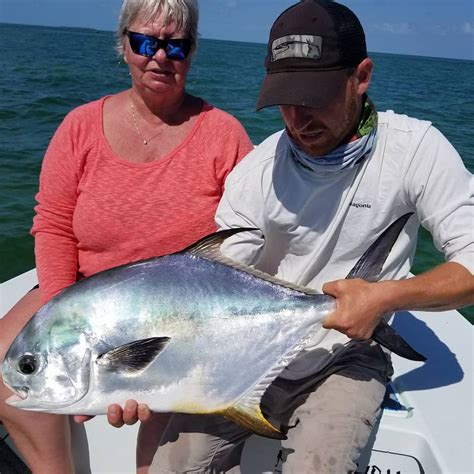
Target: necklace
<point x="145" y="140"/>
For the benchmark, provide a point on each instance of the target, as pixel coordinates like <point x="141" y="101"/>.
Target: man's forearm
<point x="447" y="286"/>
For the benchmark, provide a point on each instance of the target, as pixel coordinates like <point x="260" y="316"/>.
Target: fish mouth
<point x="22" y="401"/>
<point x="20" y="394"/>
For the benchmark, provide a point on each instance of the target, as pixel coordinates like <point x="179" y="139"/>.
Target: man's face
<point x="318" y="131"/>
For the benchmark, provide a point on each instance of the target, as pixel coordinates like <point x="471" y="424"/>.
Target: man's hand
<point x="360" y="306"/>
<point x="116" y="416"/>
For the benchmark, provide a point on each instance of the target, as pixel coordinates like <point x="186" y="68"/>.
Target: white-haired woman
<point x="127" y="177"/>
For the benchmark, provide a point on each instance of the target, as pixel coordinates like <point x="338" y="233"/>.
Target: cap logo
<point x="297" y="46"/>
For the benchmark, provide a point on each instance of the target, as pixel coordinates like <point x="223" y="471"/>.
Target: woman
<point x="130" y="176"/>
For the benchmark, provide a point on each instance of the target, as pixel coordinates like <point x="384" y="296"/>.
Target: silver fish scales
<point x="190" y="332"/>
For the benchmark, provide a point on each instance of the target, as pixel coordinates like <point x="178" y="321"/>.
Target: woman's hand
<point x="116" y="416"/>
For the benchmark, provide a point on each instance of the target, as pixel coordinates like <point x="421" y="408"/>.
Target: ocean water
<point x="45" y="72"/>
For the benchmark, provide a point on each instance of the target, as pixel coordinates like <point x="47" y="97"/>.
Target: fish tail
<point x="369" y="267"/>
<point x="386" y="336"/>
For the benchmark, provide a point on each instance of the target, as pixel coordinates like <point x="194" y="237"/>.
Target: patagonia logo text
<point x="359" y="205"/>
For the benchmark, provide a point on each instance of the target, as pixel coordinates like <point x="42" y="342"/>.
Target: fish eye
<point x="28" y="364"/>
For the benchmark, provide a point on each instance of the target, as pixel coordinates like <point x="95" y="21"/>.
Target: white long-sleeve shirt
<point x="316" y="226"/>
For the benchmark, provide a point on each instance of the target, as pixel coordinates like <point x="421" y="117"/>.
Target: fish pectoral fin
<point x="134" y="356"/>
<point x="251" y="418"/>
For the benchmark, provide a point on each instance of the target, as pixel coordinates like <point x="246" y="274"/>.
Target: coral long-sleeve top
<point x="97" y="210"/>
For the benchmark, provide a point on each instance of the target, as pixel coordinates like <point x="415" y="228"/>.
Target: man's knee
<point x="198" y="444"/>
<point x="333" y="426"/>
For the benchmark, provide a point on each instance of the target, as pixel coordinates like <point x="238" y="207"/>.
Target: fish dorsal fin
<point x="133" y="357"/>
<point x="209" y="247"/>
<point x="370" y="264"/>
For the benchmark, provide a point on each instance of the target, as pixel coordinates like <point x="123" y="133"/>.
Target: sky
<point x="439" y="28"/>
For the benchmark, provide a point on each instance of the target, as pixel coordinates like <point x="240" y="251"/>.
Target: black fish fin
<point x="134" y="356"/>
<point x="209" y="247"/>
<point x="369" y="268"/>
<point x="386" y="336"/>
<point x="370" y="264"/>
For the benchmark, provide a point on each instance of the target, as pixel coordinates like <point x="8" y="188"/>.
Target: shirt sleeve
<point x="440" y="188"/>
<point x="237" y="209"/>
<point x="55" y="243"/>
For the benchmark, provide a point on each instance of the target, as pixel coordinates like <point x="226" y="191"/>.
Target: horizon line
<point x="86" y="28"/>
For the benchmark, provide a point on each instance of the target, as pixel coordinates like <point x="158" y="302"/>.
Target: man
<point x="321" y="191"/>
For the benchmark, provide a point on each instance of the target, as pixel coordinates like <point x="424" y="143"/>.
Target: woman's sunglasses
<point x="144" y="45"/>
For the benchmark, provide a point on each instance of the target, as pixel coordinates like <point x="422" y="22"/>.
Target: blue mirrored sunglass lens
<point x="148" y="46"/>
<point x="175" y="52"/>
<point x="141" y="45"/>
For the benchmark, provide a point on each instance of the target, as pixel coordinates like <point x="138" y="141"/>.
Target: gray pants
<point x="328" y="419"/>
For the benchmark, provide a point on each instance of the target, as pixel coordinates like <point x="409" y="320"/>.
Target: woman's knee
<point x="10" y="325"/>
<point x="16" y="318"/>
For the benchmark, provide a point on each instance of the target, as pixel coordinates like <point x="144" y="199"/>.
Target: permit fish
<point x="189" y="332"/>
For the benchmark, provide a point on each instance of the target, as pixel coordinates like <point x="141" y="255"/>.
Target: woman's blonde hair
<point x="184" y="13"/>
